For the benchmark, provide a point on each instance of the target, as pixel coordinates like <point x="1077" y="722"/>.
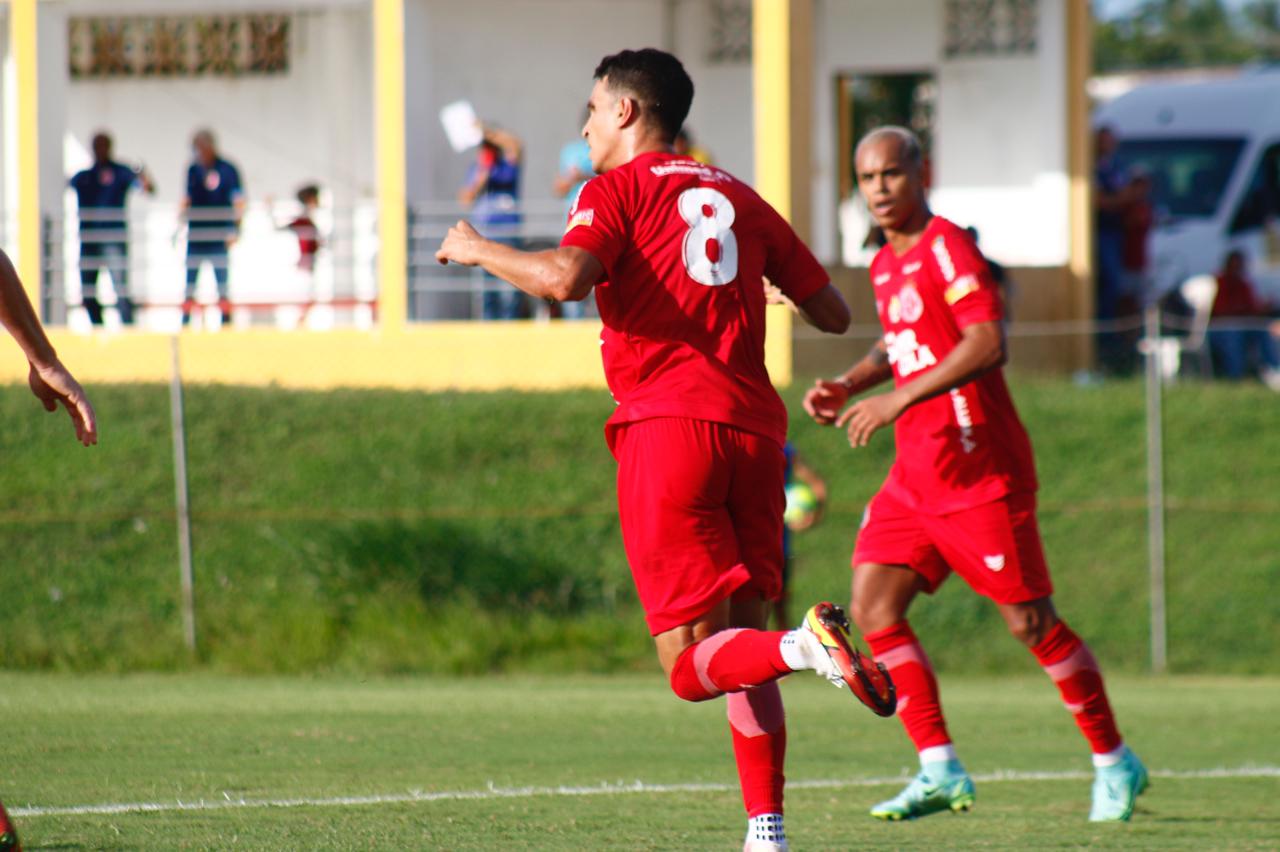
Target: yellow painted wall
<point x="468" y="356"/>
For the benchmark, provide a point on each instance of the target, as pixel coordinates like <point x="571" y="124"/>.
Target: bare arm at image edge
<point x="48" y="379"/>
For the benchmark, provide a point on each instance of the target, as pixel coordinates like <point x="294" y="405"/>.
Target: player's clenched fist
<point x="461" y="245"/>
<point x="824" y="400"/>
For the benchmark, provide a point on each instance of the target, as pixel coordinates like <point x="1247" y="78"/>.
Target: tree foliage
<point x="1188" y="33"/>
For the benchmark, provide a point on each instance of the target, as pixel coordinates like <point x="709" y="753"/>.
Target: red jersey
<point x="685" y="250"/>
<point x="1235" y="298"/>
<point x="966" y="447"/>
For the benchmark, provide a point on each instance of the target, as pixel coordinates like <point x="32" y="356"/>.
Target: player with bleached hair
<point x="677" y="253"/>
<point x="961" y="495"/>
<point x="52" y="384"/>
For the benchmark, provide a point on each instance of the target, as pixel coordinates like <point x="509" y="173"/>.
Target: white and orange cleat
<point x="821" y="643"/>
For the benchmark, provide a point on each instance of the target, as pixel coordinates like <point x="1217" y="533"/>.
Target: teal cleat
<point x="1116" y="789"/>
<point x="943" y="786"/>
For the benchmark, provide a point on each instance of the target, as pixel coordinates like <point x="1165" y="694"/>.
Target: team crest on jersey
<point x="911" y="268"/>
<point x="907" y="306"/>
<point x="940" y="253"/>
<point x="582" y="217"/>
<point x="912" y="304"/>
<point x="212" y="180"/>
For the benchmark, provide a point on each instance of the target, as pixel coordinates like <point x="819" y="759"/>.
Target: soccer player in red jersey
<point x="961" y="494"/>
<point x="677" y="253"/>
<point x="52" y="384"/>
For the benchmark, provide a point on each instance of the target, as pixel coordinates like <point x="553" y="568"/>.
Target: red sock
<point x="1067" y="660"/>
<point x="729" y="661"/>
<point x="919" y="705"/>
<point x="759" y="745"/>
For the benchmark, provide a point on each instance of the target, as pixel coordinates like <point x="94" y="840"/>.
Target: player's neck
<point x="904" y="239"/>
<point x="640" y="145"/>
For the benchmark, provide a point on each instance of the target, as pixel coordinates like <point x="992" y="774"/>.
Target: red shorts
<point x="701" y="510"/>
<point x="995" y="547"/>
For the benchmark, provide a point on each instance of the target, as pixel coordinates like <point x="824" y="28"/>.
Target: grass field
<point x="448" y="763"/>
<point x="364" y="531"/>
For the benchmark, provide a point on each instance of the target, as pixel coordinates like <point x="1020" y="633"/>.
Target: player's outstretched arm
<point x="824" y="400"/>
<point x="826" y="311"/>
<point x="981" y="348"/>
<point x="565" y="274"/>
<point x="49" y="380"/>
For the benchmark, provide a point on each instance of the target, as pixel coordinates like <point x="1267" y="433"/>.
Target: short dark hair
<point x="311" y="191"/>
<point x="657" y="81"/>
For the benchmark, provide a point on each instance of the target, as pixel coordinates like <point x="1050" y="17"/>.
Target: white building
<point x="999" y="95"/>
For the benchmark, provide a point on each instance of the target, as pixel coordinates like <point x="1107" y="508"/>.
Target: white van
<point x="1212" y="150"/>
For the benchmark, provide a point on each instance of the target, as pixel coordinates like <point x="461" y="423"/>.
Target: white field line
<point x="492" y="792"/>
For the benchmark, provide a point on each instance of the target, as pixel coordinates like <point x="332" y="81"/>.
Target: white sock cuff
<point x="1109" y="758"/>
<point x="766" y="828"/>
<point x="793" y="652"/>
<point x="938" y="754"/>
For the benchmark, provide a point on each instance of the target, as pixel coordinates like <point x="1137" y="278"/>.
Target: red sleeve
<point x="790" y="266"/>
<point x="967" y="285"/>
<point x="595" y="224"/>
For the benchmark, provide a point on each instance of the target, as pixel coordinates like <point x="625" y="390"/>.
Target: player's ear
<point x="628" y="111"/>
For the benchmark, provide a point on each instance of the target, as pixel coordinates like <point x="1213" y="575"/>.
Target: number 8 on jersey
<point x="710" y="246"/>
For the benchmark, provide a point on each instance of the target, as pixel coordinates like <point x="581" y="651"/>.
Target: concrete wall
<point x="1000" y="159"/>
<point x="312" y="123"/>
<point x="528" y="67"/>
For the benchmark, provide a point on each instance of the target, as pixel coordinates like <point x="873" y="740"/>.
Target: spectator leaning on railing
<point x="101" y="191"/>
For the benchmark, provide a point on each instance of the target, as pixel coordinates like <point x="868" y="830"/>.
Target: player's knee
<point x="1029" y="624"/>
<point x="684" y="679"/>
<point x="871" y="613"/>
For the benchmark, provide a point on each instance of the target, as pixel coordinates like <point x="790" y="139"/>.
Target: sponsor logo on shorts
<point x="866" y="517"/>
<point x="995" y="563"/>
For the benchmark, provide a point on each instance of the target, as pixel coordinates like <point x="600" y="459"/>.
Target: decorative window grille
<point x="991" y="27"/>
<point x="178" y="46"/>
<point x="729" y="36"/>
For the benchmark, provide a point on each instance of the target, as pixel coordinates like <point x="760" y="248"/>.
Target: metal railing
<point x="459" y="293"/>
<point x="144" y="254"/>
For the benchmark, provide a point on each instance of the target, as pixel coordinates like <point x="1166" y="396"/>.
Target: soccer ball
<point x="802" y="503"/>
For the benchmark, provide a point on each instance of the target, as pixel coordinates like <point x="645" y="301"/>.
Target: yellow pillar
<point x="389" y="119"/>
<point x="782" y="75"/>
<point x="1080" y="170"/>
<point x="23" y="49"/>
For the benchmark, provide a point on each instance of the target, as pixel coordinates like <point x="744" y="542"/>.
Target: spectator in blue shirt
<point x="492" y="190"/>
<point x="575" y="171"/>
<point x="213" y="207"/>
<point x="101" y="191"/>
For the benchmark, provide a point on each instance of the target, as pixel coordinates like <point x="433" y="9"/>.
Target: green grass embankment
<point x="373" y="531"/>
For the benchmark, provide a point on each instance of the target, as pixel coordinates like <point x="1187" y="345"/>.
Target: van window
<point x="1262" y="199"/>
<point x="1187" y="175"/>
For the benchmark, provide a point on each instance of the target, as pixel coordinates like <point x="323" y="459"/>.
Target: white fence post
<point x="183" y="501"/>
<point x="1155" y="487"/>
